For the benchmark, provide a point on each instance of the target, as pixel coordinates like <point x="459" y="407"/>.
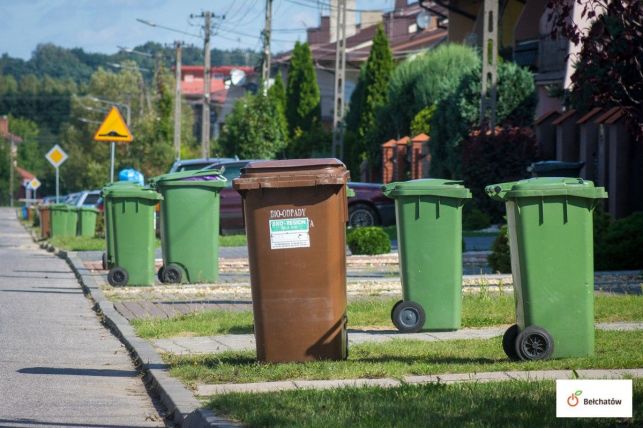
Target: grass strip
<point x="397" y="358"/>
<point x="478" y="310"/>
<point x="515" y="404"/>
<point x="78" y="243"/>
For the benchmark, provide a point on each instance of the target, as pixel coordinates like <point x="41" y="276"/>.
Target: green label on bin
<point x="289" y="233"/>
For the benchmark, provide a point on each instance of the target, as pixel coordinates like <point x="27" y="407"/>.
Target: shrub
<point x="602" y="222"/>
<point x="474" y="219"/>
<point x="500" y="258"/>
<point x="623" y="244"/>
<point x="368" y="240"/>
<point x="494" y="158"/>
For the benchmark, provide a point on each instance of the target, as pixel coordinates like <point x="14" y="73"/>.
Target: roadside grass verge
<point x="398" y="358"/>
<point x="513" y="403"/>
<point x="478" y="310"/>
<point x="78" y="243"/>
<point x="233" y="241"/>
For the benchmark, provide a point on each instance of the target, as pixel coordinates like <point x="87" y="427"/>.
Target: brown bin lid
<point x="292" y="173"/>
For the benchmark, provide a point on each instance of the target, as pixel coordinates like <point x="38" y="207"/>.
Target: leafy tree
<point x="609" y="69"/>
<point x="421" y="123"/>
<point x="277" y="92"/>
<point x="458" y="113"/>
<point x="255" y="129"/>
<point x="303" y="102"/>
<point x="371" y="96"/>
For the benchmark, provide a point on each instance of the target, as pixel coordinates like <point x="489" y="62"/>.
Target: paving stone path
<point x="58" y="365"/>
<point x="447" y="378"/>
<point x="245" y="342"/>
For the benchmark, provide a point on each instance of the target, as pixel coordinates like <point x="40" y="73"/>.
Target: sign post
<point x="113" y="130"/>
<point x="56" y="156"/>
<point x="33" y="185"/>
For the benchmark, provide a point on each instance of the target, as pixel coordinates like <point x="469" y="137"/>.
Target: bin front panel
<point x="133" y="238"/>
<point x="552" y="260"/>
<point x="190" y="230"/>
<point x="72" y="221"/>
<point x="430" y="244"/>
<point x="87" y="222"/>
<point x="297" y="256"/>
<point x="45" y="222"/>
<point x="59" y="222"/>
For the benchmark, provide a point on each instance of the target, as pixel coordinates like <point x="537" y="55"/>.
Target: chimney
<point x="351" y="21"/>
<point x="401" y="4"/>
<point x="4" y="126"/>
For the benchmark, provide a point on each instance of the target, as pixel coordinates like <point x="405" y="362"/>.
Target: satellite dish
<point x="423" y="20"/>
<point x="237" y="77"/>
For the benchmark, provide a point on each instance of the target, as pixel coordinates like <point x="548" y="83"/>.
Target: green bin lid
<point x="546" y="186"/>
<point x="184" y="177"/>
<point x="88" y="209"/>
<point x="134" y="192"/>
<point x="427" y="187"/>
<point x="59" y="207"/>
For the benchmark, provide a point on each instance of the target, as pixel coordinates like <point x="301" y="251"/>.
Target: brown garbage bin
<point x="295" y="214"/>
<point x="45" y="221"/>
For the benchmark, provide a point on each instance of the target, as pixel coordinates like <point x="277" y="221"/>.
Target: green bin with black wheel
<point x="60" y="217"/>
<point x="108" y="255"/>
<point x="550" y="231"/>
<point x="132" y="217"/>
<point x="429" y="232"/>
<point x="190" y="225"/>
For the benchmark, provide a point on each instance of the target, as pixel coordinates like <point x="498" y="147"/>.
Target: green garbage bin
<point x="429" y="232"/>
<point x="552" y="261"/>
<point x="72" y="220"/>
<point x="133" y="239"/>
<point x="60" y="219"/>
<point x="190" y="225"/>
<point x="87" y="221"/>
<point x="108" y="255"/>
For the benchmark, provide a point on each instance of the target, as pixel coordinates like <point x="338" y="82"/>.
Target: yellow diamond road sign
<point x="34" y="183"/>
<point x="113" y="129"/>
<point x="56" y="156"/>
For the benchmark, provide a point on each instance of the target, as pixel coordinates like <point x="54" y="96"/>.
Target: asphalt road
<point x="58" y="365"/>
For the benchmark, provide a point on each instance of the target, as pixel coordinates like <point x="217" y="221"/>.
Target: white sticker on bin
<point x="289" y="233"/>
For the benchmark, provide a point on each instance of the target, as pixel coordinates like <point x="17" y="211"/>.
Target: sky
<point x="104" y="25"/>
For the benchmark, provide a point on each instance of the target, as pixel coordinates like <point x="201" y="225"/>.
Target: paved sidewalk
<point x="58" y="365"/>
<point x="245" y="342"/>
<point x="288" y="385"/>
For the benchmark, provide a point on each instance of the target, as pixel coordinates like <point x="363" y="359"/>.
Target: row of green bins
<point x="190" y="225"/>
<point x="87" y="221"/>
<point x="130" y="217"/>
<point x="429" y="231"/>
<point x="551" y="245"/>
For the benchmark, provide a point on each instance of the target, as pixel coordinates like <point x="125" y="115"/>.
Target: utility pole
<point x="265" y="69"/>
<point x="340" y="74"/>
<point x="205" y="116"/>
<point x="177" y="102"/>
<point x="489" y="65"/>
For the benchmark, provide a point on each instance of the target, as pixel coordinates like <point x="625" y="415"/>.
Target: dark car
<point x="369" y="206"/>
<point x="196" y="164"/>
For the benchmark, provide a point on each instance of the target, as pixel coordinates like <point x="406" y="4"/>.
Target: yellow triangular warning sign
<point x="113" y="129"/>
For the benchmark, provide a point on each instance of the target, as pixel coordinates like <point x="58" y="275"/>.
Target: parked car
<point x="369" y="206"/>
<point x="196" y="164"/>
<point x="85" y="198"/>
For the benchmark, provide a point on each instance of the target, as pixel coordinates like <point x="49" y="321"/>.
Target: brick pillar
<point x="388" y="161"/>
<point x="419" y="151"/>
<point x="401" y="164"/>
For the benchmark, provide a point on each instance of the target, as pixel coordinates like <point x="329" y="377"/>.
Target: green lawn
<point x="398" y="358"/>
<point x="478" y="310"/>
<point x="78" y="243"/>
<point x="233" y="241"/>
<point x="515" y="404"/>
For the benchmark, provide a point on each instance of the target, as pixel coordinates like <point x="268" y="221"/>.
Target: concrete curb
<point x="183" y="409"/>
<point x="448" y="378"/>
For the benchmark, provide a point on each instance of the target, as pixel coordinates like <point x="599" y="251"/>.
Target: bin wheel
<point x="171" y="274"/>
<point x="393" y="310"/>
<point x="408" y="317"/>
<point x="117" y="277"/>
<point x="104" y="260"/>
<point x="160" y="273"/>
<point x="509" y="342"/>
<point x="534" y="343"/>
